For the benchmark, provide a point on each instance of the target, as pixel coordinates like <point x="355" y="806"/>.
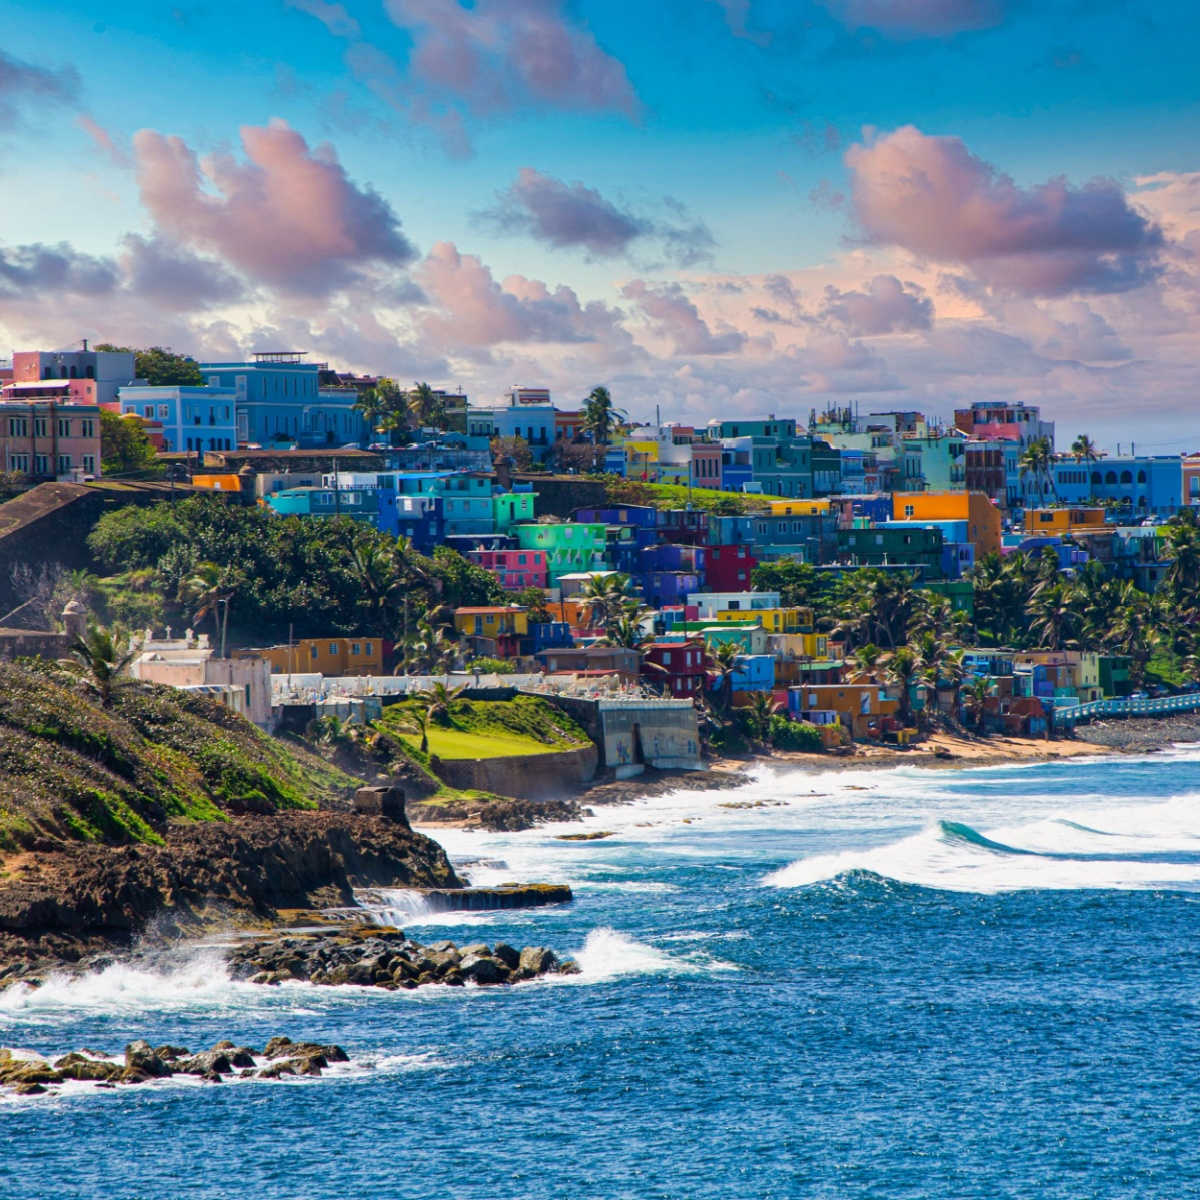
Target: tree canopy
<point x="160" y="366"/>
<point x="124" y="446"/>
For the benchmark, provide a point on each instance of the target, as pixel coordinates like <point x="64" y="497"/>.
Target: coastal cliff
<point x="164" y="808"/>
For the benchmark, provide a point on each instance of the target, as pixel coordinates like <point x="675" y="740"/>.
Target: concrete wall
<point x="526" y="776"/>
<point x="656" y="733"/>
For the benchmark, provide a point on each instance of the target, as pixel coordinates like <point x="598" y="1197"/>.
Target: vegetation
<point x="269" y="573"/>
<point x="673" y="495"/>
<point x="159" y="366"/>
<point x="73" y="768"/>
<point x="124" y="447"/>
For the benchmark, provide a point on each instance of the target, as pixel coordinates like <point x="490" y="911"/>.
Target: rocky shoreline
<point x="388" y="959"/>
<point x="30" y="1075"/>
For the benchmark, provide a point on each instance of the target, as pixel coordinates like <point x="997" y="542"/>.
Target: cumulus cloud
<point x="919" y="18"/>
<point x="22" y="82"/>
<point x="334" y="17"/>
<point x="570" y="216"/>
<point x="934" y="198"/>
<point x="288" y="216"/>
<point x="40" y="269"/>
<point x="673" y="316"/>
<point x="472" y="309"/>
<point x="167" y="274"/>
<point x="885" y="305"/>
<point x="506" y="53"/>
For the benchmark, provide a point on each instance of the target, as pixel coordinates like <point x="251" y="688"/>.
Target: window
<point x="315" y="652"/>
<point x="164" y="411"/>
<point x="64" y="427"/>
<point x="909" y="510"/>
<point x="370" y="648"/>
<point x="333" y="649"/>
<point x="89" y="464"/>
<point x="1141" y="477"/>
<point x="39" y="427"/>
<point x="18" y="427"/>
<point x="18" y="462"/>
<point x="41" y="464"/>
<point x="355" y="649"/>
<point x="87" y="429"/>
<point x="64" y="463"/>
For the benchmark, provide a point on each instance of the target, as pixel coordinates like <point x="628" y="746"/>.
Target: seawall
<point x="526" y="776"/>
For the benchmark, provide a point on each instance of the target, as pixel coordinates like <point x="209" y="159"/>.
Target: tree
<point x="954" y="671"/>
<point x="866" y="659"/>
<point x="723" y="663"/>
<point x="902" y="670"/>
<point x="599" y="416"/>
<point x="757" y="716"/>
<point x="1084" y="449"/>
<point x="415" y="721"/>
<point x="604" y="596"/>
<point x="210" y="590"/>
<point x="428" y="407"/>
<point x="105" y="655"/>
<point x="513" y="450"/>
<point x="978" y="691"/>
<point x="124" y="447"/>
<point x="626" y="630"/>
<point x="1036" y="461"/>
<point x="159" y="366"/>
<point x="534" y="599"/>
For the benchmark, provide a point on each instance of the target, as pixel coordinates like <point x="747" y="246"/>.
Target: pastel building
<point x="104" y="370"/>
<point x="46" y="438"/>
<point x="278" y="398"/>
<point x="192" y="418"/>
<point x="982" y="516"/>
<point x="1146" y="484"/>
<point x="514" y="569"/>
<point x="568" y="548"/>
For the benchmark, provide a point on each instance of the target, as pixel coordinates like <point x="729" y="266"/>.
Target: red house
<point x="728" y="568"/>
<point x="676" y="667"/>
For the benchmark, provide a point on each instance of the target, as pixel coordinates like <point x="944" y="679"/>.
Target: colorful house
<point x="514" y="569"/>
<point x="326" y="656"/>
<point x="675" y="667"/>
<point x="729" y="567"/>
<point x="568" y="547"/>
<point x="494" y="630"/>
<point x="511" y="508"/>
<point x="982" y="516"/>
<point x="773" y="620"/>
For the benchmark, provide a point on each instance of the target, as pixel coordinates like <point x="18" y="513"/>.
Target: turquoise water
<point x="884" y="984"/>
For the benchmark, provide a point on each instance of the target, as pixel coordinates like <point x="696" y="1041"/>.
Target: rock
<point x="484" y="970"/>
<point x="569" y="967"/>
<point x="537" y="960"/>
<point x="77" y="1066"/>
<point x="170" y="1052"/>
<point x="453" y="978"/>
<point x="207" y="1062"/>
<point x="509" y="956"/>
<point x="285" y="1048"/>
<point x="140" y="1056"/>
<point x="240" y="1056"/>
<point x="30" y="1089"/>
<point x="479" y="949"/>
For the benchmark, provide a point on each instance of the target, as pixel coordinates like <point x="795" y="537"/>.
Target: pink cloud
<point x="885" y="305"/>
<point x="103" y="140"/>
<point x="334" y="17"/>
<point x="919" y="18"/>
<point x="503" y="53"/>
<point x="288" y="216"/>
<point x="472" y="309"/>
<point x="931" y="196"/>
<point x="675" y="317"/>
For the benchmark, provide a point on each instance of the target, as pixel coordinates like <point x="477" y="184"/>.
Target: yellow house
<point x="982" y="516"/>
<point x="799" y="508"/>
<point x="1063" y="520"/>
<point x="773" y="620"/>
<point x="802" y="645"/>
<point x="218" y="483"/>
<point x="641" y="457"/>
<point x="510" y="620"/>
<point x="326" y="656"/>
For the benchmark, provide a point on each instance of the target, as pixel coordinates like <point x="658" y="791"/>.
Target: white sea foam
<point x="1130" y="846"/>
<point x="610" y="954"/>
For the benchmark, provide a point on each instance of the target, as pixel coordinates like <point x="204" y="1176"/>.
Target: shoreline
<point x="941" y="751"/>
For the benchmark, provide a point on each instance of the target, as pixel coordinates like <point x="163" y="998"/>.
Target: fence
<point x="1163" y="706"/>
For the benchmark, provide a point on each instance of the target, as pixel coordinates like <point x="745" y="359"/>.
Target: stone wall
<point x="525" y="776"/>
<point x="656" y="733"/>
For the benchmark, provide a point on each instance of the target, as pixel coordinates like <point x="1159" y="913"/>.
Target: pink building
<point x="514" y="568"/>
<point x="106" y="370"/>
<point x="47" y="434"/>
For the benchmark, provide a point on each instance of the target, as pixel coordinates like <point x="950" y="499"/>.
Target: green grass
<point x="459" y="743"/>
<point x="674" y="495"/>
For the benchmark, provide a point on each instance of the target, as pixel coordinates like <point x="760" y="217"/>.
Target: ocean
<point x="891" y="983"/>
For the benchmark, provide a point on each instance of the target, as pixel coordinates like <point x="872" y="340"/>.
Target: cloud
<point x="334" y="17"/>
<point x="885" y="306"/>
<point x="40" y="269"/>
<point x="736" y="13"/>
<point x="675" y="317"/>
<point x="289" y="216"/>
<point x="103" y="140"/>
<point x="499" y="55"/>
<point x="166" y="274"/>
<point x="21" y="82"/>
<point x="932" y="197"/>
<point x="472" y="309"/>
<point x="569" y="216"/>
<point x="919" y="18"/>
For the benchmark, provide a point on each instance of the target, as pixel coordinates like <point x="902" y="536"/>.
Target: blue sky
<point x="691" y="156"/>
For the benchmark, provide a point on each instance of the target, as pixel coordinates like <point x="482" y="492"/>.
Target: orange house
<point x="982" y="516"/>
<point x="1063" y="520"/>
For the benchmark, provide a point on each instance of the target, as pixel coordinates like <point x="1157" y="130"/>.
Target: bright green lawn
<point x="457" y="743"/>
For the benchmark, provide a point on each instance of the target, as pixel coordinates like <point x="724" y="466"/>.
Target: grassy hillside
<point x="491" y="729"/>
<point x="73" y="771"/>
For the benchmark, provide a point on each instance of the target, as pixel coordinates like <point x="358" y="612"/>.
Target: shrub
<point x="794" y="735"/>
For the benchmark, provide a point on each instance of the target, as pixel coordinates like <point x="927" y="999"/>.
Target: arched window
<point x="74" y="373"/>
<point x="1126" y="476"/>
<point x="1141" y="477"/>
<point x="90" y="372"/>
<point x="1096" y="477"/>
<point x="47" y="373"/>
<point x="1110" y="477"/>
<point x="62" y="371"/>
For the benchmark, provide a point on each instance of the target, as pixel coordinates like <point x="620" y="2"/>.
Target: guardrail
<point x="1161" y="706"/>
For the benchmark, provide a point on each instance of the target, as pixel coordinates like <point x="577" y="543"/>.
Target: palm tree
<point x="866" y="659"/>
<point x="438" y="700"/>
<point x="211" y="588"/>
<point x="427" y="407"/>
<point x="599" y="416"/>
<point x="979" y="689"/>
<point x="930" y="652"/>
<point x="415" y="721"/>
<point x="1036" y="460"/>
<point x="604" y="596"/>
<point x="902" y="670"/>
<point x="1084" y="449"/>
<point x="626" y="630"/>
<point x="1055" y="615"/>
<point x="105" y="654"/>
<point x="377" y="572"/>
<point x="954" y="671"/>
<point x="723" y="662"/>
<point x="759" y="711"/>
<point x="1183" y="551"/>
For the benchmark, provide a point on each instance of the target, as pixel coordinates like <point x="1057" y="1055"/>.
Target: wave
<point x="1147" y="846"/>
<point x="609" y="954"/>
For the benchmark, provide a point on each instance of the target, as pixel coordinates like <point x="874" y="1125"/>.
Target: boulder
<point x="537" y="960"/>
<point x="207" y="1062"/>
<point x="509" y="956"/>
<point x="483" y="969"/>
<point x="140" y="1056"/>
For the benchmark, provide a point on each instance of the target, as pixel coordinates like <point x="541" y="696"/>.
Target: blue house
<point x="278" y="400"/>
<point x="755" y="673"/>
<point x="193" y="418"/>
<point x="360" y="504"/>
<point x="466" y="496"/>
<point x="1145" y="484"/>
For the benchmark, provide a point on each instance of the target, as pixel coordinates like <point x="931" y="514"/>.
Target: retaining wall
<point x="526" y="776"/>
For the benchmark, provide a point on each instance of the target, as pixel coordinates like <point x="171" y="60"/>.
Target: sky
<point x="709" y="206"/>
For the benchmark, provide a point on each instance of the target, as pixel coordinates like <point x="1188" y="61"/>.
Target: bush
<point x="491" y="666"/>
<point x="794" y="735"/>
